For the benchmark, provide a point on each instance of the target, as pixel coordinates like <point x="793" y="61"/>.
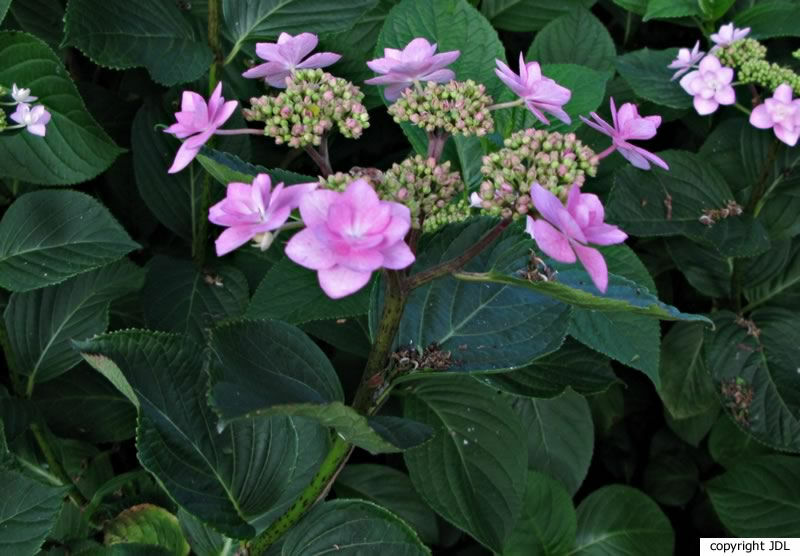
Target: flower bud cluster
<point x="340" y="180"/>
<point x="448" y="214"/>
<point x="556" y="161"/>
<point x="458" y="107"/>
<point x="313" y="102"/>
<point x="748" y="57"/>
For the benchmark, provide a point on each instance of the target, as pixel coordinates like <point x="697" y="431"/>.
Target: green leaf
<point x="527" y="15"/>
<point x="226" y="167"/>
<point x="580" y="368"/>
<point x="49" y="236"/>
<point x="647" y="73"/>
<point x="247" y="474"/>
<point x="472" y="473"/>
<point x="147" y="524"/>
<point x="180" y="298"/>
<point x="588" y="88"/>
<point x="693" y="430"/>
<point x="264" y="20"/>
<point x="729" y="445"/>
<point x="770" y="19"/>
<point x="783" y="282"/>
<point x="560" y="437"/>
<point x="756" y="377"/>
<point x="486" y="327"/>
<point x="638" y="7"/>
<point x="671" y="479"/>
<point x="715" y="9"/>
<point x="149" y="33"/>
<point x="40" y="18"/>
<point x="75" y="148"/>
<point x="28" y="512"/>
<point x="391" y="489"/>
<point x="686" y="387"/>
<point x="292" y="294"/>
<point x="204" y="540"/>
<point x="704" y="268"/>
<point x="82" y="404"/>
<point x="548" y="523"/>
<point x="669" y="9"/>
<point x="4" y="4"/>
<point x="575" y="38"/>
<point x="352" y="526"/>
<point x="42" y="323"/>
<point x="619" y="519"/>
<point x="692" y="185"/>
<point x="759" y="497"/>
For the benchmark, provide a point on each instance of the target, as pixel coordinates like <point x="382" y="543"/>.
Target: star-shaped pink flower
<point x="286" y="56"/>
<point x="541" y="94"/>
<point x="780" y="113"/>
<point x="34" y="119"/>
<point x="728" y="34"/>
<point x="686" y="60"/>
<point x="710" y="85"/>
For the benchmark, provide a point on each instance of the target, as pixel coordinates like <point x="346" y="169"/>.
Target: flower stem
<point x="320" y="157"/>
<point x="240" y="131"/>
<point x="436" y="141"/>
<point x="215" y="44"/>
<point x="741" y="108"/>
<point x="509" y="104"/>
<point x="55" y="467"/>
<point x="608" y="151"/>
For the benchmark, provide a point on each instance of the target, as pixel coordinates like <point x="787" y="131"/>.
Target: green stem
<point x="777" y="181"/>
<point x="758" y="189"/>
<point x="215" y="44"/>
<point x="736" y="285"/>
<point x="55" y="467"/>
<point x="327" y="472"/>
<point x="509" y="104"/>
<point x="741" y="108"/>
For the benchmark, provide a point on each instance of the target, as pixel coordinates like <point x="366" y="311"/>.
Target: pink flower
<point x="349" y="235"/>
<point x="541" y="94"/>
<point x="780" y="113"/>
<point x="628" y="124"/>
<point x="250" y="210"/>
<point x="21" y="95"/>
<point x="416" y="62"/>
<point x="198" y="121"/>
<point x="728" y="34"/>
<point x="563" y="232"/>
<point x="710" y="85"/>
<point x="33" y="119"/>
<point x="686" y="60"/>
<point x="287" y="55"/>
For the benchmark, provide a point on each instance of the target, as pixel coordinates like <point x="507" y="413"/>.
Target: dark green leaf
<point x="527" y="15"/>
<point x="686" y="387"/>
<point x="149" y="33"/>
<point x="647" y="73"/>
<point x="638" y="7"/>
<point x="693" y="430"/>
<point x="204" y="540"/>
<point x="671" y="479"/>
<point x="575" y="38"/>
<point x="668" y="9"/>
<point x="759" y="497"/>
<point x="715" y="9"/>
<point x="775" y="18"/>
<point x="560" y="437"/>
<point x="49" y="236"/>
<point x="4" y="4"/>
<point x="472" y="472"/>
<point x="147" y="524"/>
<point x="729" y="445"/>
<point x="704" y="268"/>
<point x="352" y="527"/>
<point x="226" y="167"/>
<point x="28" y="511"/>
<point x="783" y="282"/>
<point x="75" y="148"/>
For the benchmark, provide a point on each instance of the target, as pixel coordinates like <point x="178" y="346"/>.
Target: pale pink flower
<point x="686" y="60"/>
<point x="33" y="119"/>
<point x="541" y="94"/>
<point x="252" y="210"/>
<point x="21" y="95"/>
<point x="780" y="113"/>
<point x="197" y="122"/>
<point x="349" y="235"/>
<point x="286" y="56"/>
<point x="563" y="232"/>
<point x="628" y="124"/>
<point x="728" y="34"/>
<point x="416" y="62"/>
<point x="710" y="85"/>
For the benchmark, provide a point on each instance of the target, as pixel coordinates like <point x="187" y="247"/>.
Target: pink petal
<point x="639" y="157"/>
<point x="340" y="281"/>
<point x="306" y="250"/>
<point x="417" y="50"/>
<point x="360" y="194"/>
<point x="233" y="238"/>
<point x="725" y="75"/>
<point x="595" y="265"/>
<point x="393" y="92"/>
<point x="710" y="63"/>
<point x="278" y="80"/>
<point x="760" y="117"/>
<point x="601" y="125"/>
<point x="688" y="80"/>
<point x="315" y="205"/>
<point x="626" y="114"/>
<point x="297" y="48"/>
<point x="269" y="51"/>
<point x="444" y="58"/>
<point x="382" y="65"/>
<point x="36" y="129"/>
<point x="197" y="141"/>
<point x="554" y="244"/>
<point x="547" y="204"/>
<point x="439" y="76"/>
<point x="365" y="260"/>
<point x="225" y="112"/>
<point x="788" y="136"/>
<point x="604" y="234"/>
<point x="705" y="106"/>
<point x="783" y="93"/>
<point x="290" y="196"/>
<point x="397" y="256"/>
<point x="264" y="70"/>
<point x="640" y="128"/>
<point x="319" y="60"/>
<point x="182" y="158"/>
<point x="399" y="224"/>
<point x="725" y="96"/>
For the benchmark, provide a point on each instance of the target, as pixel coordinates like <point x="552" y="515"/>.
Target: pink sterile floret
<point x="780" y="113"/>
<point x="686" y="60"/>
<point x="197" y="122"/>
<point x="541" y="94"/>
<point x="286" y="56"/>
<point x="418" y="61"/>
<point x="34" y="119"/>
<point x="563" y="232"/>
<point x="250" y="210"/>
<point x="628" y="124"/>
<point x="349" y="235"/>
<point x="710" y="85"/>
<point x="728" y="34"/>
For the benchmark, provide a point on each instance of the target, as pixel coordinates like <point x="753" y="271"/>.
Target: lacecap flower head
<point x="780" y="113"/>
<point x="288" y="55"/>
<point x="418" y="61"/>
<point x="541" y="94"/>
<point x="349" y="235"/>
<point x="710" y="85"/>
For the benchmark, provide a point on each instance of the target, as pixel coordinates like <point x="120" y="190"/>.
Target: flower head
<point x="34" y="119"/>
<point x="416" y="62"/>
<point x="250" y="210"/>
<point x="563" y="232"/>
<point x="686" y="60"/>
<point x="710" y="85"/>
<point x="349" y="235"/>
<point x="541" y="94"/>
<point x="780" y="113"/>
<point x="197" y="122"/>
<point x="286" y="56"/>
<point x="22" y="95"/>
<point x="728" y="34"/>
<point x="628" y="124"/>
